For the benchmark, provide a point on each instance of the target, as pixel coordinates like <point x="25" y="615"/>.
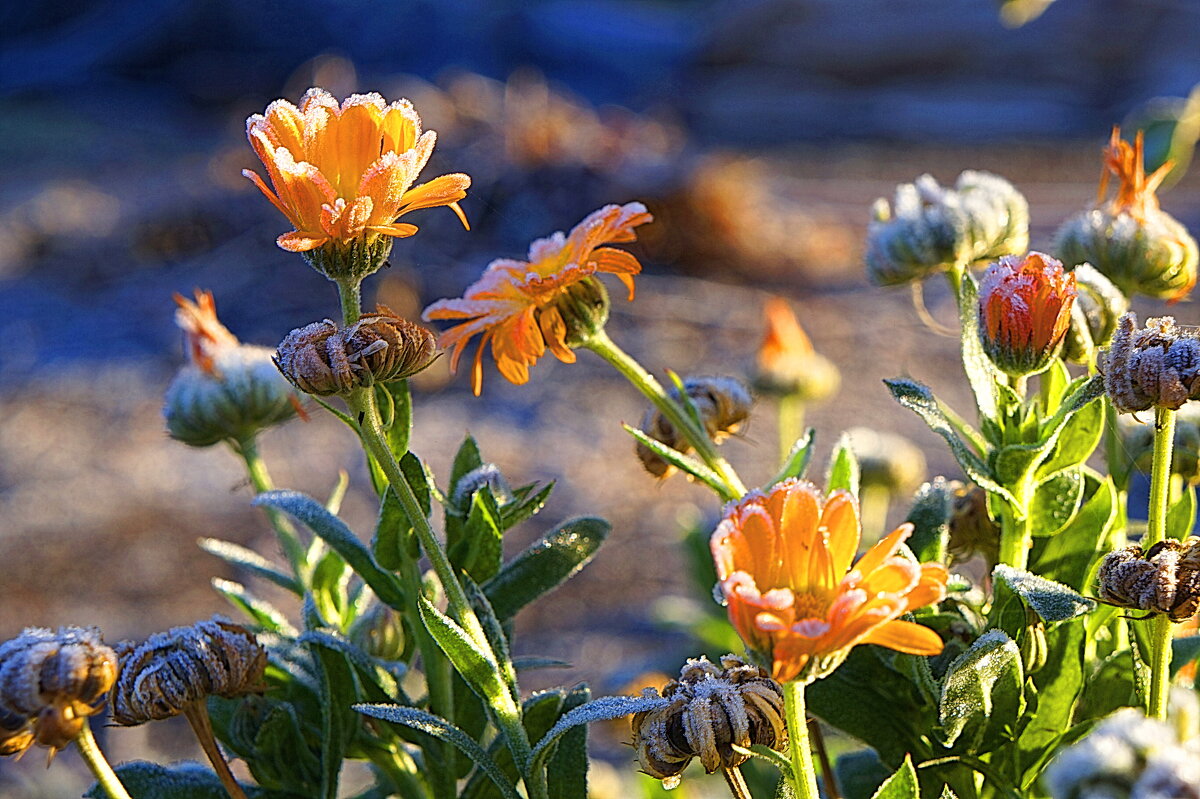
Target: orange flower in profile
<point x="784" y="561"/>
<point x="552" y="301"/>
<point x="204" y="335"/>
<point x="787" y="363"/>
<point x="1024" y="311"/>
<point x="1136" y="190"/>
<point x="345" y="173"/>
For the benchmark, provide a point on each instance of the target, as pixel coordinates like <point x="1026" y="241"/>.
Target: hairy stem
<point x="91" y="754"/>
<point x="197" y="715"/>
<point x="645" y="382"/>
<point x="804" y="775"/>
<point x="260" y="478"/>
<point x="736" y="782"/>
<point x="1156" y="531"/>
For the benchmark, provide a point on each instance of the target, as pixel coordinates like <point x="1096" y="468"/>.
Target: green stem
<point x="260" y="478"/>
<point x="1016" y="532"/>
<point x="804" y="774"/>
<point x="197" y="715"/>
<point x="350" y="294"/>
<point x="91" y="754"/>
<point x="645" y="382"/>
<point x="791" y="423"/>
<point x="1156" y="531"/>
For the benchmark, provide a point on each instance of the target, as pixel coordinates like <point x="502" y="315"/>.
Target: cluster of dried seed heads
<point x="711" y="708"/>
<point x="170" y="671"/>
<point x="723" y="404"/>
<point x="324" y="359"/>
<point x="1155" y="367"/>
<point x="50" y="682"/>
<point x="1163" y="579"/>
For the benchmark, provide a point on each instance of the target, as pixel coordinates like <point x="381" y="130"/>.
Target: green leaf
<point x="920" y="400"/>
<point x="902" y="784"/>
<point x="185" y="780"/>
<point x="529" y="663"/>
<point x="930" y="517"/>
<point x="843" y="471"/>
<point x="1068" y="556"/>
<point x="545" y="564"/>
<point x="513" y="513"/>
<point x="1058" y="685"/>
<point x="605" y="708"/>
<point x="494" y="631"/>
<point x="467" y="459"/>
<point x="399" y="432"/>
<point x="338" y="722"/>
<point x="1053" y="602"/>
<point x="777" y="759"/>
<point x="981" y="374"/>
<point x="479" y="551"/>
<point x="334" y="532"/>
<point x="797" y="460"/>
<point x="444" y="731"/>
<point x="1181" y="516"/>
<point x="859" y="773"/>
<point x="263" y="613"/>
<point x="330" y="579"/>
<point x="1076" y="441"/>
<point x="982" y="694"/>
<point x="334" y="503"/>
<point x="567" y="769"/>
<point x="393" y="535"/>
<point x="477" y="666"/>
<point x="251" y="561"/>
<point x="1055" y="502"/>
<point x="680" y="461"/>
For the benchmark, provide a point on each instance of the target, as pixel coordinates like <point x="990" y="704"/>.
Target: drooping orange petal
<point x="907" y="637"/>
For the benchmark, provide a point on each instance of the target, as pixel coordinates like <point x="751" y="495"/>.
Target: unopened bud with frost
<point x="787" y="364"/>
<point x="228" y="391"/>
<point x="1024" y="312"/>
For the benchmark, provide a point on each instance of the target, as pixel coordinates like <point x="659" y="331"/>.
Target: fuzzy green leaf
<point x="525" y="506"/>
<point x="477" y="666"/>
<point x="843" y="471"/>
<point x="479" y="551"/>
<point x="467" y="459"/>
<point x="244" y="558"/>
<point x="445" y="731"/>
<point x="334" y="532"/>
<point x="1181" y="516"/>
<point x="982" y="696"/>
<point x="680" y="461"/>
<point x="798" y="458"/>
<point x="338" y="722"/>
<point x="930" y="518"/>
<point x="567" y="769"/>
<point x="1053" y="602"/>
<point x="399" y="431"/>
<point x="901" y="785"/>
<point x="263" y="613"/>
<point x="981" y="374"/>
<point x="1068" y="556"/>
<point x="545" y="564"/>
<point x="605" y="708"/>
<point x="1076" y="441"/>
<point x="185" y="780"/>
<point x="1055" y="502"/>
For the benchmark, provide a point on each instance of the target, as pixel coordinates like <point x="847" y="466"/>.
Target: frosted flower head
<point x="1156" y="367"/>
<point x="1024" y="311"/>
<point x="1099" y="306"/>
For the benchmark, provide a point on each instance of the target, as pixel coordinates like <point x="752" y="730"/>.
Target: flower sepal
<point x="350" y="261"/>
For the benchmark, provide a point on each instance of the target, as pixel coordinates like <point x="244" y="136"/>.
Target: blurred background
<point x="758" y="133"/>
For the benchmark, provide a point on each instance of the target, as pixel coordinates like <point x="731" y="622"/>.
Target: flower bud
<point x="49" y="684"/>
<point x="1137" y="440"/>
<point x="379" y="632"/>
<point x="170" y="671"/>
<point x="1024" y="311"/>
<point x="381" y="347"/>
<point x="930" y="229"/>
<point x="487" y="475"/>
<point x="350" y="260"/>
<point x="1155" y="367"/>
<point x="1033" y="646"/>
<point x="787" y="363"/>
<point x="1098" y="306"/>
<point x="723" y="404"/>
<point x="1163" y="579"/>
<point x="1140" y="247"/>
<point x="972" y="531"/>
<point x="888" y="461"/>
<point x="583" y="307"/>
<point x="711" y="708"/>
<point x="229" y="391"/>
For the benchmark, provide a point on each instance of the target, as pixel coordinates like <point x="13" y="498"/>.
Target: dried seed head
<point x="381" y="347"/>
<point x="711" y="708"/>
<point x="50" y="682"/>
<point x="972" y="531"/>
<point x="171" y="670"/>
<point x="929" y="229"/>
<point x="1155" y="367"/>
<point x="1098" y="307"/>
<point x="228" y="391"/>
<point x="723" y="404"/>
<point x="1163" y="579"/>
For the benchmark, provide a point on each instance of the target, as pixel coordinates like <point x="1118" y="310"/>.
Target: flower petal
<point x="906" y="636"/>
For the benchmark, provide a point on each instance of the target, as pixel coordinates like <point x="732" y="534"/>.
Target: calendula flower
<point x="1140" y="247"/>
<point x="1025" y="311"/>
<point x="784" y="561"/>
<point x="787" y="364"/>
<point x="552" y="301"/>
<point x="343" y="174"/>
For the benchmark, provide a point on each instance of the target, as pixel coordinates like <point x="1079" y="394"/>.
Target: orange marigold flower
<point x="205" y="337"/>
<point x="1024" y="311"/>
<point x="787" y="364"/>
<point x="345" y="173"/>
<point x="784" y="561"/>
<point x="1135" y="192"/>
<point x="552" y="301"/>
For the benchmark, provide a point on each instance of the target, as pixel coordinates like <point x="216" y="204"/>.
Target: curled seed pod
<point x="161" y="677"/>
<point x="379" y="631"/>
<point x="381" y="347"/>
<point x="1163" y="579"/>
<point x="972" y="531"/>
<point x="50" y="682"/>
<point x="1098" y="307"/>
<point x="930" y="228"/>
<point x="711" y="708"/>
<point x="228" y="391"/>
<point x="1155" y="367"/>
<point x="723" y="404"/>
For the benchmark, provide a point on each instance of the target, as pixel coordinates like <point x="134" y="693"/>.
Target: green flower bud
<point x="929" y="229"/>
<point x="350" y="260"/>
<point x="583" y="307"/>
<point x="1098" y="307"/>
<point x="1140" y="247"/>
<point x="379" y="632"/>
<point x="229" y="391"/>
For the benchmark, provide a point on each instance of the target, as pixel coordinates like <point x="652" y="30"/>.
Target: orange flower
<point x="1024" y="311"/>
<point x="345" y="173"/>
<point x="787" y="363"/>
<point x="526" y="307"/>
<point x="205" y="336"/>
<point x="784" y="562"/>
<point x="1135" y="194"/>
